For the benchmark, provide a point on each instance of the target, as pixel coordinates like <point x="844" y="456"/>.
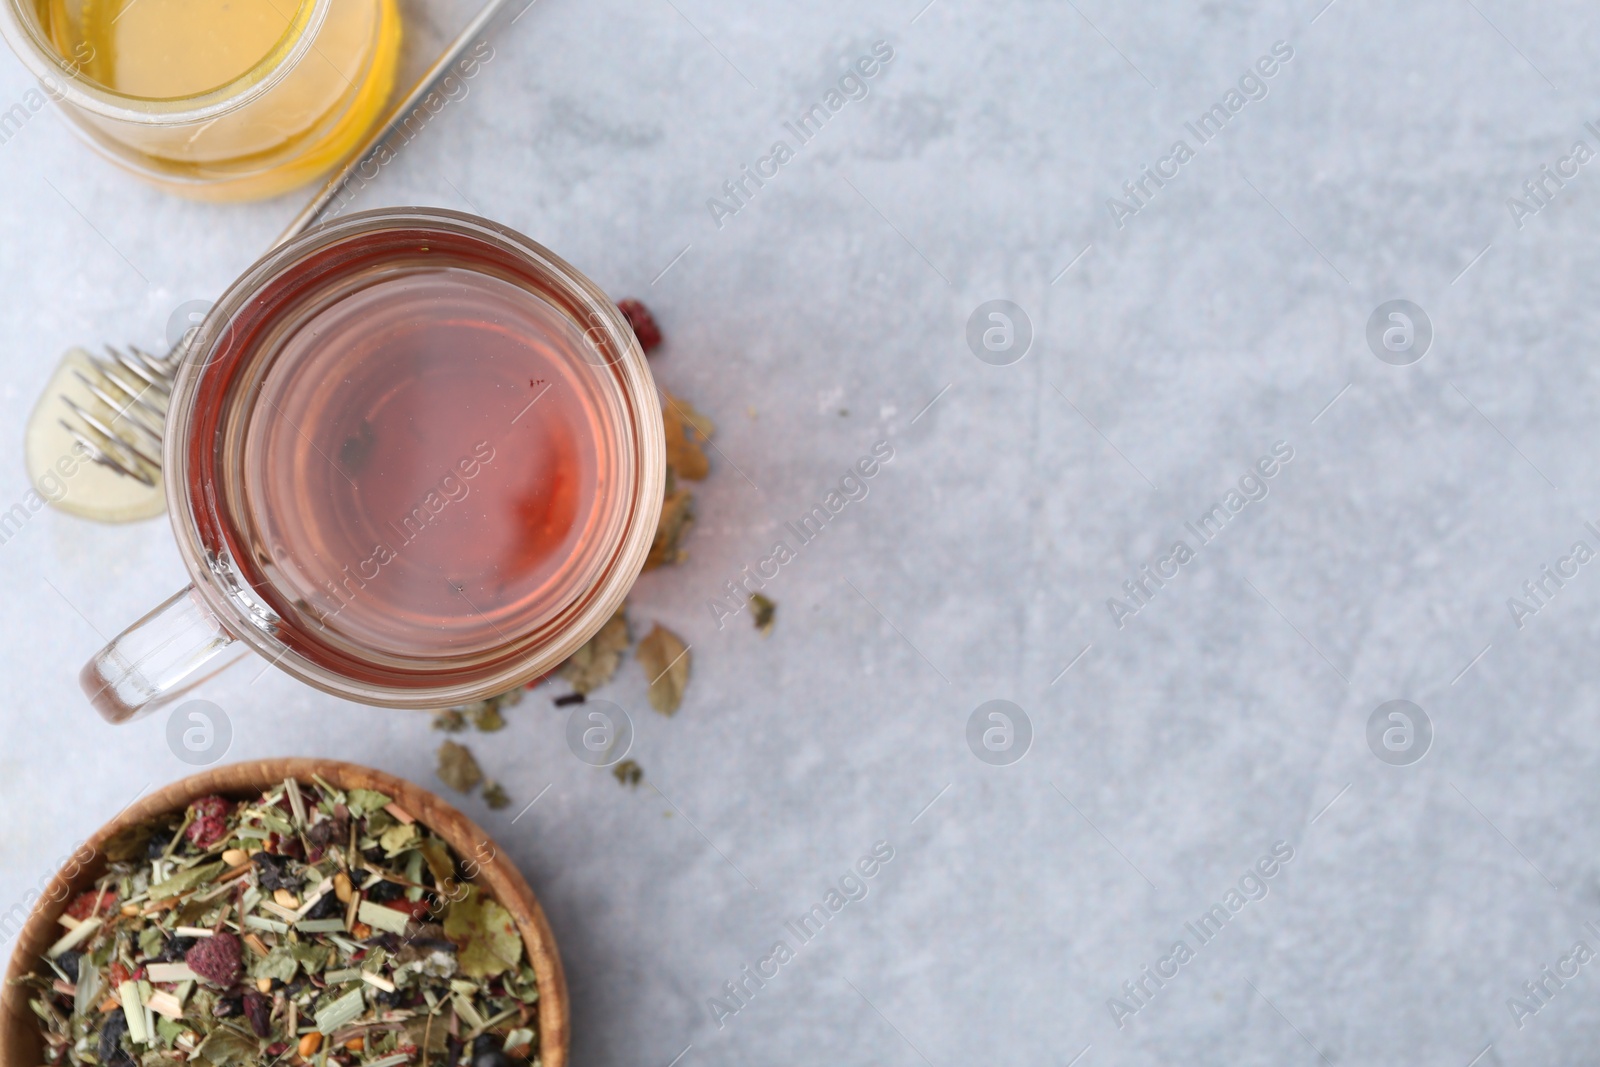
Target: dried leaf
<point x="131" y="842"/>
<point x="457" y="768"/>
<point x="686" y="428"/>
<point x="593" y="665"/>
<point x="665" y="660"/>
<point x="437" y="857"/>
<point x="362" y="802"/>
<point x="485" y="935"/>
<point x="763" y="612"/>
<point x="486" y="717"/>
<point x="677" y="516"/>
<point x="399" y="838"/>
<point x="494" y="795"/>
<point x="628" y="772"/>
<point x="450" y="720"/>
<point x="225" y="1046"/>
<point x="183" y="881"/>
<point x="279" y="963"/>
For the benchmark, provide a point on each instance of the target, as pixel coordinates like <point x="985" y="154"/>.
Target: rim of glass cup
<point x="639" y="512"/>
<point x="66" y="83"/>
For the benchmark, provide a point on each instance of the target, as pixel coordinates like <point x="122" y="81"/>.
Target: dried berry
<point x="326" y="907"/>
<point x="384" y="892"/>
<point x="228" y="1007"/>
<point x="329" y="832"/>
<point x="83" y="905"/>
<point x="176" y="949"/>
<point x="210" y="823"/>
<point x="643" y="323"/>
<point x="157" y="846"/>
<point x="111" y="1035"/>
<point x="258" y="1010"/>
<point x="217" y="959"/>
<point x="68" y="962"/>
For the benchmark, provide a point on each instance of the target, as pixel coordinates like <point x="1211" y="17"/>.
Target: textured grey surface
<point x="1226" y="716"/>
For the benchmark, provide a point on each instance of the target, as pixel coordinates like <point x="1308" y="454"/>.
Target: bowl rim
<point x="20" y="1043"/>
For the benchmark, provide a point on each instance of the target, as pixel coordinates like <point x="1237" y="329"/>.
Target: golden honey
<point x="220" y="99"/>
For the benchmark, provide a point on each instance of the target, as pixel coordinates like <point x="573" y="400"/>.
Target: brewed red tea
<point x="413" y="458"/>
<point x="424" y="461"/>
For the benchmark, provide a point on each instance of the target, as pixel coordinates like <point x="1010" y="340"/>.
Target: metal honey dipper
<point x="117" y="419"/>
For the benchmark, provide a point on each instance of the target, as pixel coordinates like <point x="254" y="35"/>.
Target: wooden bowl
<point x="20" y="1042"/>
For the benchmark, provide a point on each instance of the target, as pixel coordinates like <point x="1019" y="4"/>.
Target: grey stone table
<point x="1186" y="320"/>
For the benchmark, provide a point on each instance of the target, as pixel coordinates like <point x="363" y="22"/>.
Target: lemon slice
<point x="62" y="470"/>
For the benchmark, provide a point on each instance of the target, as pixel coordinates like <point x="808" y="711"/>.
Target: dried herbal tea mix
<point x="308" y="926"/>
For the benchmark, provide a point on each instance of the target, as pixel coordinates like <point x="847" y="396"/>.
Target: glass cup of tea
<point x="216" y="99"/>
<point x="413" y="459"/>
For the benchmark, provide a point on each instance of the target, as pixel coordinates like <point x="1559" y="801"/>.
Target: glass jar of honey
<point x="215" y="99"/>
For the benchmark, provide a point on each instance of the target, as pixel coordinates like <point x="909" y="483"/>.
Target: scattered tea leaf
<point x="665" y="660"/>
<point x="677" y="517"/>
<point x="487" y="718"/>
<point x="457" y="768"/>
<point x="593" y="665"/>
<point x="763" y="612"/>
<point x="628" y="772"/>
<point x="686" y="429"/>
<point x="450" y="720"/>
<point x="494" y="795"/>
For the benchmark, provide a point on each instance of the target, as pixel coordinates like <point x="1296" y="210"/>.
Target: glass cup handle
<point x="162" y="656"/>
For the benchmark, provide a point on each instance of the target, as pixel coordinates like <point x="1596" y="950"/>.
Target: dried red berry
<point x="643" y="323"/>
<point x="218" y="959"/>
<point x="258" y="1009"/>
<point x="118" y="974"/>
<point x="414" y="908"/>
<point x="83" y="905"/>
<point x="210" y="824"/>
